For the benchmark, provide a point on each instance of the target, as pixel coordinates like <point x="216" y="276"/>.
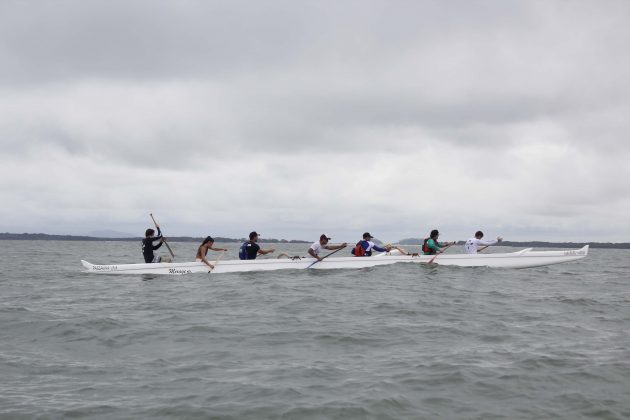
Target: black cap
<point x="253" y="234"/>
<point x="367" y="235"/>
<point x="324" y="237"/>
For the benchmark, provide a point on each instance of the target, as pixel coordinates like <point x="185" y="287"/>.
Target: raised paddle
<point x="156" y="226"/>
<point x="326" y="256"/>
<point x="436" y="255"/>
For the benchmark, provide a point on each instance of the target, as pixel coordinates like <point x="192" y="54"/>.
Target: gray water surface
<point x="393" y="342"/>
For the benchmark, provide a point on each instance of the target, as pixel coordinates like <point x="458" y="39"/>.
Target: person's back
<point x="361" y="249"/>
<point x="365" y="246"/>
<point x="432" y="246"/>
<point x="248" y="250"/>
<point x="472" y="245"/>
<point x="148" y="247"/>
<point x="202" y="251"/>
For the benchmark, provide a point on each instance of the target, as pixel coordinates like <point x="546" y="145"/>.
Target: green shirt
<point x="435" y="245"/>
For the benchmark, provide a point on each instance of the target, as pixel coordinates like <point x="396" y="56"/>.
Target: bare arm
<point x="217" y="249"/>
<point x="313" y="254"/>
<point x="333" y="247"/>
<point x="201" y="254"/>
<point x="205" y="260"/>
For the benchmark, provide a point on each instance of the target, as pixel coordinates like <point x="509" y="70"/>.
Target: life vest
<point x="359" y="249"/>
<point x="242" y="252"/>
<point x="426" y="249"/>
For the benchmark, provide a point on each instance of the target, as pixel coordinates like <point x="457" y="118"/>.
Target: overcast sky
<point x="295" y="118"/>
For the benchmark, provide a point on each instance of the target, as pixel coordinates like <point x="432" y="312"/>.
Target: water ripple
<point x="400" y="342"/>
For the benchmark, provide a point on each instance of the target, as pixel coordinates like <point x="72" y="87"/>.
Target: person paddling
<point x="203" y="249"/>
<point x="432" y="246"/>
<point x="148" y="247"/>
<point x="250" y="249"/>
<point x="317" y="247"/>
<point x="364" y="247"/>
<point x="472" y="245"/>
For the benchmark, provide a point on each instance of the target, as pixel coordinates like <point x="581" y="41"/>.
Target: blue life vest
<point x="242" y="252"/>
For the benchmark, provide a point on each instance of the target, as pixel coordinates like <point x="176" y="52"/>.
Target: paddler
<point x="203" y="249"/>
<point x="365" y="247"/>
<point x="148" y="247"/>
<point x="250" y="249"/>
<point x="432" y="246"/>
<point x="472" y="245"/>
<point x="317" y="247"/>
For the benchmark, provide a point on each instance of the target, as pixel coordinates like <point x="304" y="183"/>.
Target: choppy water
<point x="395" y="342"/>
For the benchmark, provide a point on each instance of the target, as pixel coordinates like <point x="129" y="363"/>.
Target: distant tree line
<point x="46" y="237"/>
<point x="538" y="244"/>
<point x="408" y="241"/>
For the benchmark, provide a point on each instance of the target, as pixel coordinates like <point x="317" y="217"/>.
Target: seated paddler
<point x="203" y="249"/>
<point x="472" y="245"/>
<point x="317" y="247"/>
<point x="249" y="250"/>
<point x="148" y="245"/>
<point x="432" y="246"/>
<point x="364" y="247"/>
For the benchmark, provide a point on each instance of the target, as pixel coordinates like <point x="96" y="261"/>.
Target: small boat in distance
<point x="525" y="258"/>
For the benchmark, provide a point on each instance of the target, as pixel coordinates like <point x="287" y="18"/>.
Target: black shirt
<point x="148" y="247"/>
<point x="252" y="250"/>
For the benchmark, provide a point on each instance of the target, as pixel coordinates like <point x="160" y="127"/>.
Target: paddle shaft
<point x="165" y="243"/>
<point x="436" y="255"/>
<point x="326" y="256"/>
<point x="216" y="262"/>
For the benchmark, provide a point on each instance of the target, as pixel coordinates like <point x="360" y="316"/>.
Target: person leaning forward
<point x="317" y="247"/>
<point x="203" y="249"/>
<point x="364" y="247"/>
<point x="431" y="244"/>
<point x="472" y="245"/>
<point x="250" y="249"/>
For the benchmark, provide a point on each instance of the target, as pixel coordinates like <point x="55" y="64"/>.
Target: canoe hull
<point x="526" y="258"/>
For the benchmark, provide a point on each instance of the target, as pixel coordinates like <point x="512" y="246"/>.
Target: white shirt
<point x="370" y="246"/>
<point x="472" y="244"/>
<point x="317" y="247"/>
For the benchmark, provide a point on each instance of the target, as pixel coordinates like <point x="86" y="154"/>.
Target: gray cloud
<point x="309" y="116"/>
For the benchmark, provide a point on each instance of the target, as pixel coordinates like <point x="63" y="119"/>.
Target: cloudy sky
<point x="295" y="118"/>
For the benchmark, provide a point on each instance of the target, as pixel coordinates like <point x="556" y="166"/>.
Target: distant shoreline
<point x="409" y="242"/>
<point x="542" y="244"/>
<point x="46" y="237"/>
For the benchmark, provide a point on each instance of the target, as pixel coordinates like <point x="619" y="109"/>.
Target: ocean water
<point x="393" y="342"/>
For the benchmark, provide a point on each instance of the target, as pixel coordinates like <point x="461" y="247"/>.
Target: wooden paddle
<point x="436" y="255"/>
<point x="326" y="256"/>
<point x="156" y="226"/>
<point x="216" y="262"/>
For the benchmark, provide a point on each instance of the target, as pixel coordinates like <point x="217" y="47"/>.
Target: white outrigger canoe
<point x="525" y="258"/>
